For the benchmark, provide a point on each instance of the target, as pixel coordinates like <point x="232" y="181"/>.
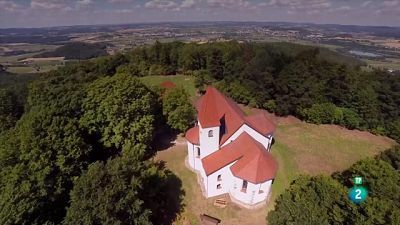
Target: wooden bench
<point x="209" y="220"/>
<point x="221" y="203"/>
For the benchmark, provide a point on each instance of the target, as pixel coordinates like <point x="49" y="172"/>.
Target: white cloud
<point x="161" y="4"/>
<point x="366" y="3"/>
<point x="228" y="3"/>
<point x="390" y="3"/>
<point x="49" y="4"/>
<point x="9" y="6"/>
<point x="84" y="2"/>
<point x="344" y="8"/>
<point x="188" y="3"/>
<point x="300" y="4"/>
<point x="119" y="1"/>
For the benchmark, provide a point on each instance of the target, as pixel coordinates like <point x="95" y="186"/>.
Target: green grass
<point x="187" y="82"/>
<point x="287" y="171"/>
<point x="31" y="69"/>
<point x="21" y="69"/>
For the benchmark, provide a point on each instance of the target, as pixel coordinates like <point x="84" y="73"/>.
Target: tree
<point x="394" y="129"/>
<point x="178" y="109"/>
<point x="125" y="190"/>
<point x="312" y="200"/>
<point x="350" y="119"/>
<point x="39" y="160"/>
<point x="379" y="177"/>
<point x="120" y="111"/>
<point x="391" y="156"/>
<point x="383" y="184"/>
<point x="109" y="194"/>
<point x="326" y="113"/>
<point x="215" y="64"/>
<point x="8" y="110"/>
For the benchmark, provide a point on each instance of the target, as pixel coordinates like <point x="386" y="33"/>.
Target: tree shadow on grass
<point x="171" y="205"/>
<point x="164" y="139"/>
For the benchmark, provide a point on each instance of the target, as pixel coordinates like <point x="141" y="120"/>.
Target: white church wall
<point x="257" y="136"/>
<point x="217" y="187"/>
<point x="203" y="179"/>
<point x="208" y="144"/>
<point x="197" y="158"/>
<point x="265" y="141"/>
<point x="190" y="154"/>
<point x="255" y="193"/>
<point x="263" y="192"/>
<point x="251" y="195"/>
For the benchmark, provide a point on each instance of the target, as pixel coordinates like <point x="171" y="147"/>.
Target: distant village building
<point x="230" y="151"/>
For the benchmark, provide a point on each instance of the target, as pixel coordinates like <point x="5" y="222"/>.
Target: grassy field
<point x="300" y="148"/>
<point x="31" y="69"/>
<point x="390" y="63"/>
<point x="186" y="82"/>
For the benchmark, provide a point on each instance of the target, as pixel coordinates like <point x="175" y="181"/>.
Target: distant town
<point x="377" y="47"/>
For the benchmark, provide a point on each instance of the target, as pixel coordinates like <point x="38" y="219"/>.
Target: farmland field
<point x="390" y="63"/>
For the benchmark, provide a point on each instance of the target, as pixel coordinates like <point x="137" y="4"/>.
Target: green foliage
<point x="393" y="128"/>
<point x="9" y="110"/>
<point x="109" y="65"/>
<point x="379" y="177"/>
<point x="323" y="113"/>
<point x="286" y="78"/>
<point x="178" y="109"/>
<point x="312" y="200"/>
<point x="237" y="91"/>
<point x="39" y="160"/>
<point x="270" y="105"/>
<point x="110" y="194"/>
<point x="328" y="113"/>
<point x="350" y="119"/>
<point x="383" y="183"/>
<point x="125" y="190"/>
<point x="323" y="200"/>
<point x="392" y="156"/>
<point x="120" y="110"/>
<point x="202" y="79"/>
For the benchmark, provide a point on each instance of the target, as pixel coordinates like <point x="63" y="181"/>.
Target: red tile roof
<point x="254" y="163"/>
<point x="168" y="84"/>
<point x="192" y="135"/>
<point x="213" y="106"/>
<point x="261" y="123"/>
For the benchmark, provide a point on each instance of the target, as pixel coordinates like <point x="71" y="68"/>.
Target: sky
<point x="44" y="13"/>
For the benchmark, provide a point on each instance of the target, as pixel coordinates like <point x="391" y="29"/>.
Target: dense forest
<point x="77" y="50"/>
<point x="80" y="149"/>
<point x="287" y="79"/>
<point x="77" y="143"/>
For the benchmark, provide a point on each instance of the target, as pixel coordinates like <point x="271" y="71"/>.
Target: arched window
<point x="219" y="186"/>
<point x="219" y="178"/>
<point x="210" y="133"/>
<point x="244" y="186"/>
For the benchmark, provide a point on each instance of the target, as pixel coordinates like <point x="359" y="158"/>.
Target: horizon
<point x="61" y="13"/>
<point x="197" y="22"/>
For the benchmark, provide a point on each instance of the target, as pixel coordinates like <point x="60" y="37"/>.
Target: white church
<point x="230" y="152"/>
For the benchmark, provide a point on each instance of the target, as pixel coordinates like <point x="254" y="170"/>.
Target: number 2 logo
<point x="358" y="195"/>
